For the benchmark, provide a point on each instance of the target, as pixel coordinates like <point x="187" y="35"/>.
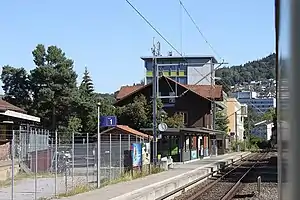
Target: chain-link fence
<point x="48" y="164"/>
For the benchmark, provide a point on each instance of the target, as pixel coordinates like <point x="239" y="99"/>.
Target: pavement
<point x="128" y="188"/>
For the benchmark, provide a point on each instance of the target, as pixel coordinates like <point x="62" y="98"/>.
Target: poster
<point x="136" y="154"/>
<point x="146" y="153"/>
<point x="194" y="154"/>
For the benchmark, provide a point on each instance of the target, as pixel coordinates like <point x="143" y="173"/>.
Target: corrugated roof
<point x="4" y="106"/>
<point x="206" y="91"/>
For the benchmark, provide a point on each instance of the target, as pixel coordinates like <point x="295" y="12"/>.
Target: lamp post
<point x="98" y="146"/>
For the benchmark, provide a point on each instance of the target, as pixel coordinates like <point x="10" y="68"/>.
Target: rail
<point x="200" y="179"/>
<point x="232" y="192"/>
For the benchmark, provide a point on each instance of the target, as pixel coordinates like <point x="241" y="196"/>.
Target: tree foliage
<point x="138" y="114"/>
<point x="87" y="83"/>
<point x="222" y="121"/>
<point x="258" y="70"/>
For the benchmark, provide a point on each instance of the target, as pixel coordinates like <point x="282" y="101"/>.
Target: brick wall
<point x="5" y="151"/>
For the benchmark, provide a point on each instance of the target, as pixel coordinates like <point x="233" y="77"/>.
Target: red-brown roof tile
<point x="207" y="90"/>
<point x="4" y="106"/>
<point x="202" y="90"/>
<point x="132" y="131"/>
<point x="127" y="90"/>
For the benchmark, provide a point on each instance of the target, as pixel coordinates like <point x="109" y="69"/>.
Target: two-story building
<point x="194" y="103"/>
<point x="236" y="113"/>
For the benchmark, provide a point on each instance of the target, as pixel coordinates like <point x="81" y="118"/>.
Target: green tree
<point x="222" y="121"/>
<point x="16" y="86"/>
<point x="87" y="82"/>
<point x="175" y="121"/>
<point x="269" y="115"/>
<point x="53" y="83"/>
<point x="135" y="114"/>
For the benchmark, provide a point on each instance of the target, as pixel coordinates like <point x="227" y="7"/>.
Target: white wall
<point x="196" y="73"/>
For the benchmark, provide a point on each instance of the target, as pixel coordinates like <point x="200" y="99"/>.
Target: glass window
<point x="182" y="80"/>
<point x="149" y="80"/>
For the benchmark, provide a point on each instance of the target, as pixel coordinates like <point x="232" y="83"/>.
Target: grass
<point x="21" y="176"/>
<point x="123" y="178"/>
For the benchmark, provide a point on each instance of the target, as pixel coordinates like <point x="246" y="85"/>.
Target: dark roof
<point x="181" y="57"/>
<point x="4" y="106"/>
<point x="127" y="130"/>
<point x="201" y="90"/>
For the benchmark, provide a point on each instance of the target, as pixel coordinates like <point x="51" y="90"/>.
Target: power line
<point x="201" y="33"/>
<point x="149" y="23"/>
<point x="170" y="44"/>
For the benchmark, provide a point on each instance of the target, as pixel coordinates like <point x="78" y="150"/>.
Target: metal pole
<point x="110" y="157"/>
<point x="87" y="157"/>
<point x="36" y="166"/>
<point x="55" y="180"/>
<point x="236" y="133"/>
<point x="13" y="166"/>
<point x="73" y="155"/>
<point x="120" y="155"/>
<point x="258" y="184"/>
<point x="98" y="148"/>
<point x="154" y="99"/>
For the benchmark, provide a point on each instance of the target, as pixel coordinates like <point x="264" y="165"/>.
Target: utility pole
<point x="156" y="52"/>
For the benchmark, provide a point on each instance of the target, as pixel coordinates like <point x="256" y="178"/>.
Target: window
<point x="182" y="80"/>
<point x="173" y="70"/>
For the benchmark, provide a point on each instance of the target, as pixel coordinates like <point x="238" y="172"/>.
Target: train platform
<point x="154" y="186"/>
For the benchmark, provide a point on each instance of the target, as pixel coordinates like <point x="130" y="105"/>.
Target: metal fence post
<point x="129" y="142"/>
<point x="55" y="180"/>
<point x="120" y="161"/>
<point x="36" y="165"/>
<point x="73" y="155"/>
<point x="110" y="157"/>
<point x="87" y="158"/>
<point x="13" y="165"/>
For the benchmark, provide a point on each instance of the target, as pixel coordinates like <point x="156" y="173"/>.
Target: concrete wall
<point x="162" y="188"/>
<point x="6" y="170"/>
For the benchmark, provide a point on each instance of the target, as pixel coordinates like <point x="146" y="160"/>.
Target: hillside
<point x="259" y="70"/>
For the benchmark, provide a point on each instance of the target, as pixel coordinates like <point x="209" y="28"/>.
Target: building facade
<point x="236" y="113"/>
<point x="185" y="70"/>
<point x="263" y="131"/>
<point x="260" y="105"/>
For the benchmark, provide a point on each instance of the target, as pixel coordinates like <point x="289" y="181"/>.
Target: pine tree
<point x="87" y="81"/>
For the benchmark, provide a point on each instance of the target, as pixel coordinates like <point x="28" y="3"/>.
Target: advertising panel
<point x="146" y="153"/>
<point x="136" y="154"/>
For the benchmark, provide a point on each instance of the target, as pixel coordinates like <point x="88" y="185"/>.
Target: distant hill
<point x="259" y="70"/>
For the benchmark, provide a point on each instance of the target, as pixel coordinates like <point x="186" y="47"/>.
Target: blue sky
<point x="109" y="37"/>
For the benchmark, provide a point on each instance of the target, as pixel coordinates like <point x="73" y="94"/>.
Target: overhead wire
<point x="199" y="30"/>
<point x="169" y="43"/>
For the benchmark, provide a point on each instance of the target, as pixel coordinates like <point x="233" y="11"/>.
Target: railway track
<point x="226" y="184"/>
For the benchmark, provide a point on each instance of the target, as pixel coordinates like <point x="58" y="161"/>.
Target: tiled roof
<point x="127" y="130"/>
<point x="4" y="106"/>
<point x="126" y="90"/>
<point x="132" y="131"/>
<point x="202" y="90"/>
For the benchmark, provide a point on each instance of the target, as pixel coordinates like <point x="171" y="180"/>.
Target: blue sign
<point x="106" y="121"/>
<point x="136" y="152"/>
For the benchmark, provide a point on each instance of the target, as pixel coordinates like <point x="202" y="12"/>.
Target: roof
<point x="201" y="90"/>
<point x="180" y="57"/>
<point x="4" y="106"/>
<point x="127" y="130"/>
